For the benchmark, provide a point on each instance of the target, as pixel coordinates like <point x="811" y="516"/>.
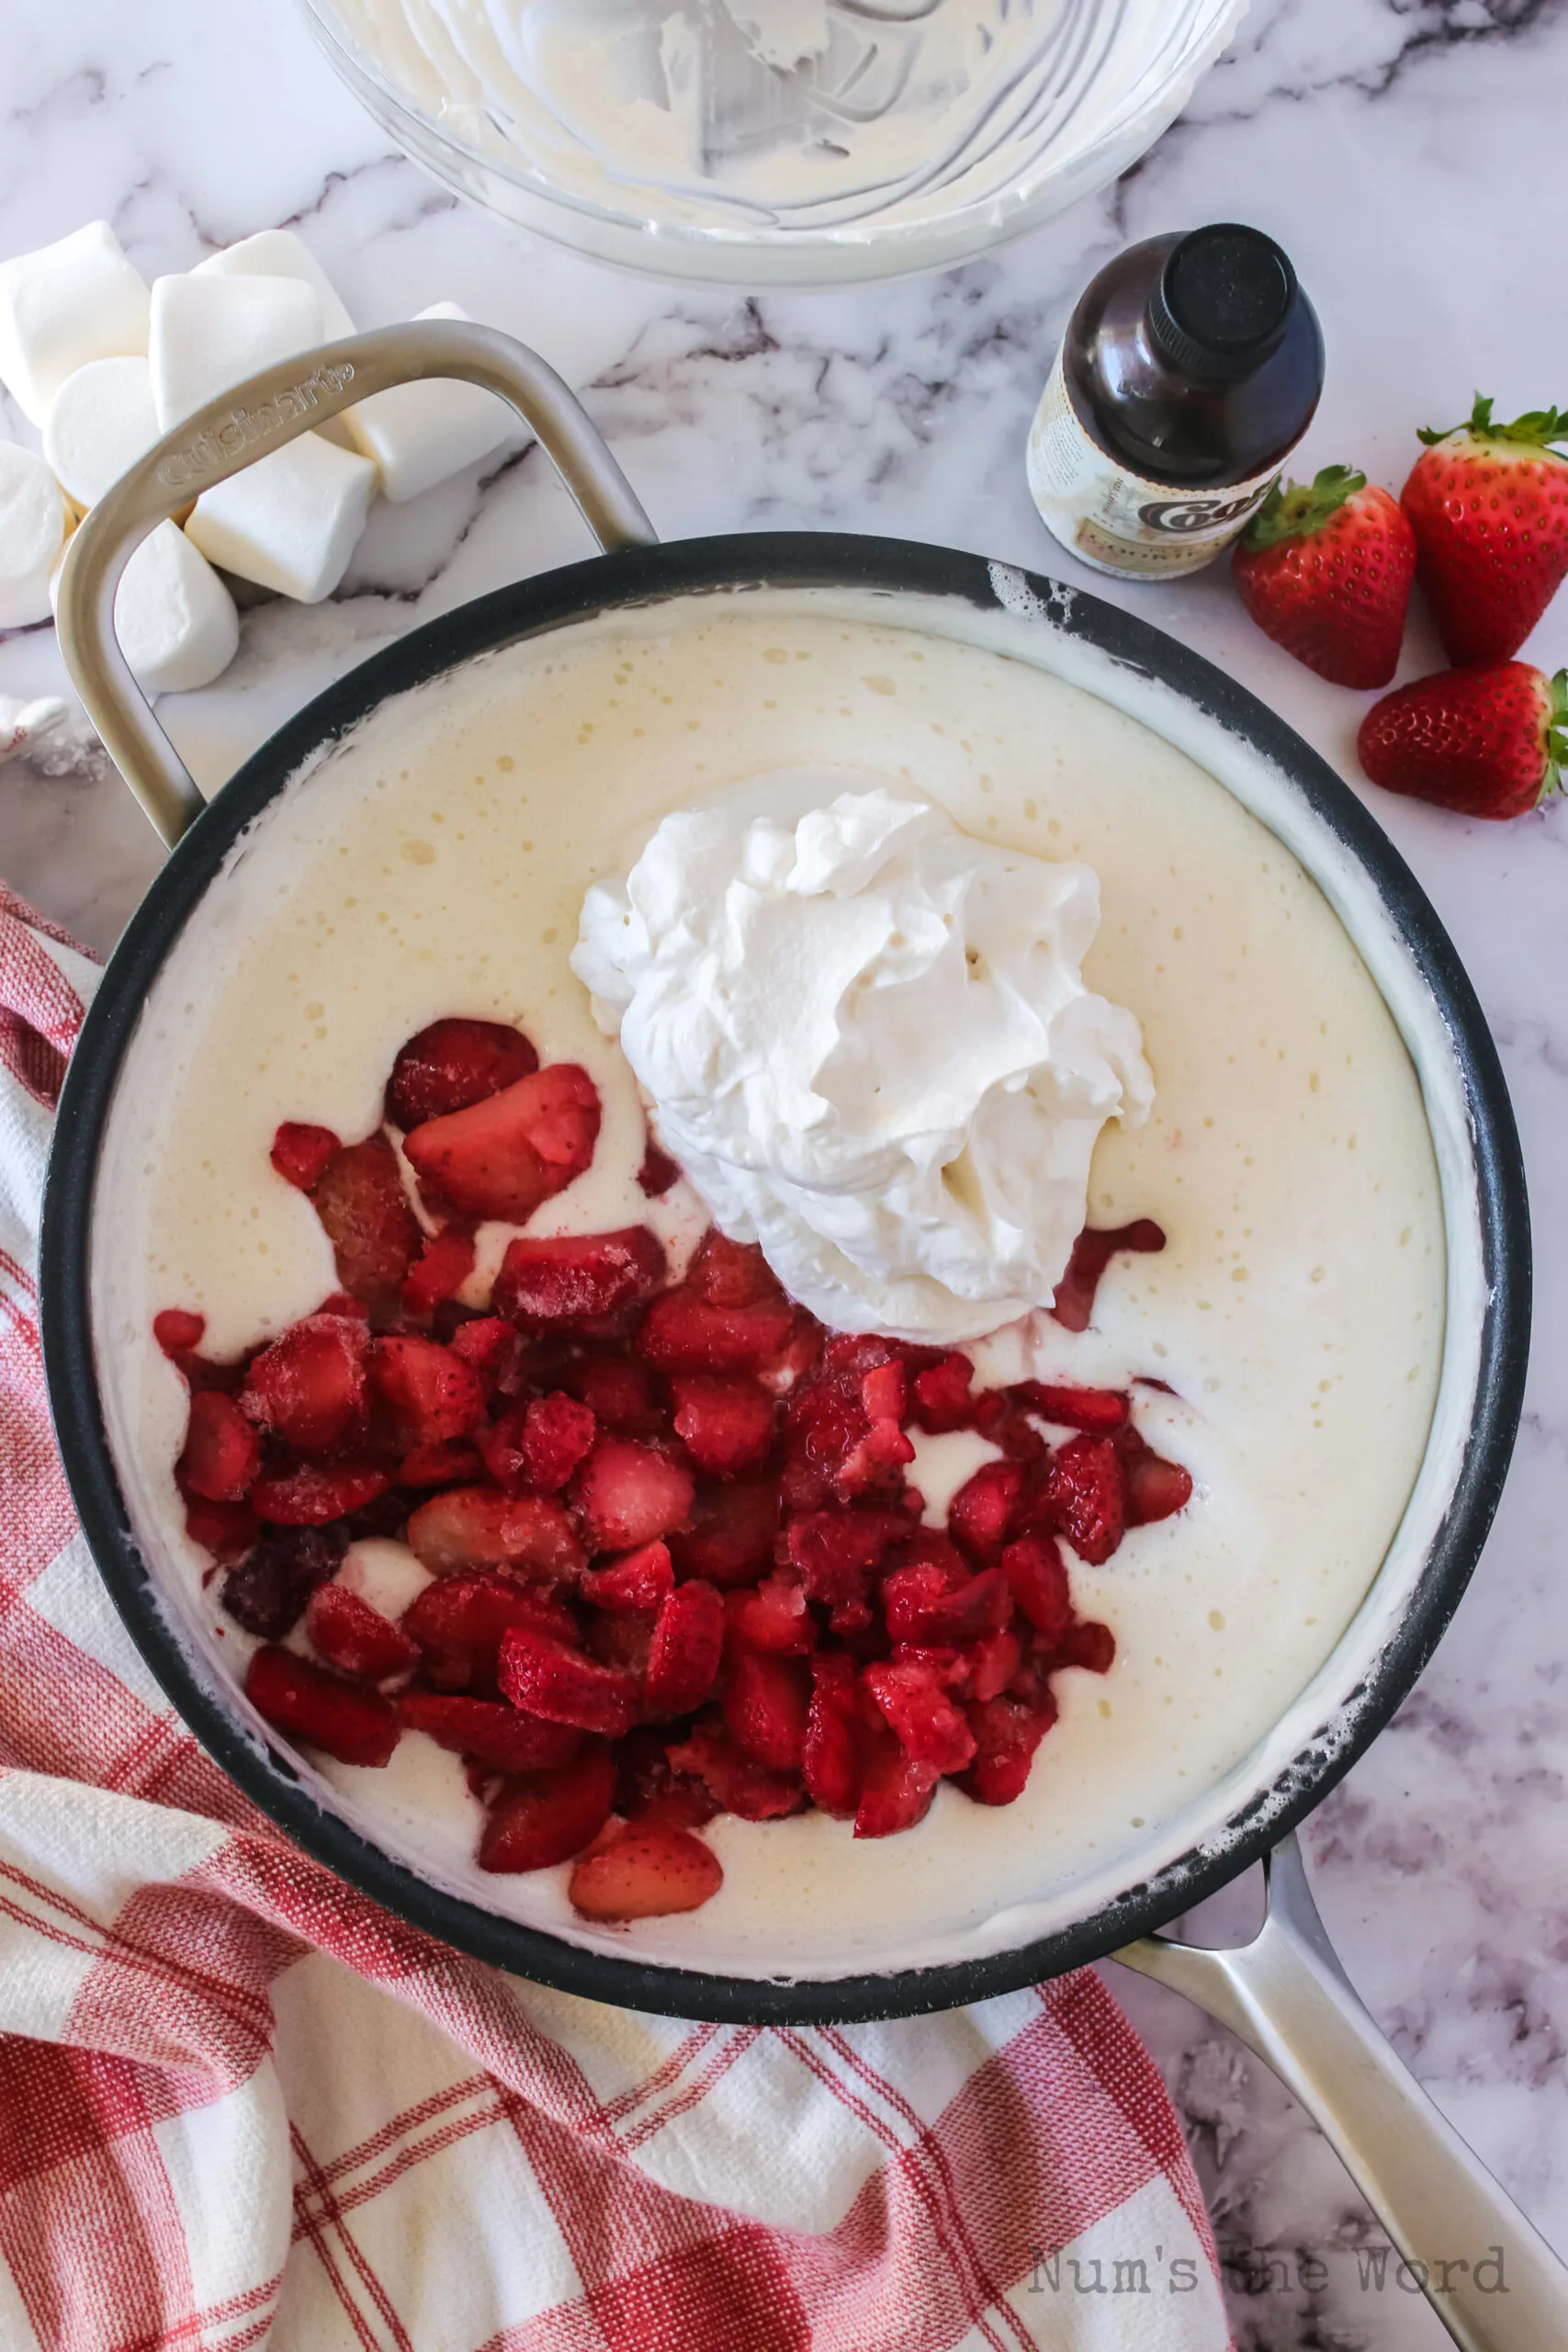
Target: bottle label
<point x="1117" y="521"/>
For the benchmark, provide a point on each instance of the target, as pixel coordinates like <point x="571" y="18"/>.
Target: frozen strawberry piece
<point x="929" y="1727"/>
<point x="459" y="1621"/>
<point x="226" y="1530"/>
<point x="797" y="1360"/>
<point x="644" y="1579"/>
<point x="629" y="1494"/>
<point x="178" y="1331"/>
<point x="1099" y="1411"/>
<point x="365" y="1215"/>
<point x="447" y="1261"/>
<point x="1086" y="1492"/>
<point x="737" y="1783"/>
<point x="312" y="1494"/>
<point x="895" y="1788"/>
<point x="646" y="1789"/>
<point x="1156" y="1488"/>
<point x="992" y="1663"/>
<point x="433" y="1395"/>
<point x="223" y="1452"/>
<point x="730" y="1534"/>
<point x="489" y="1730"/>
<point x="350" y="1634"/>
<point x="300" y="1153"/>
<point x="1006" y="1733"/>
<point x="499" y="1444"/>
<point x="772" y="1617"/>
<point x="983" y="1512"/>
<point x="645" y="1870"/>
<point x="558" y="1435"/>
<point x="833" y="1552"/>
<point x="266" y="1591"/>
<point x="308" y="1387"/>
<point x="832" y="1754"/>
<point x="488" y="1344"/>
<point x="480" y="1527"/>
<point x="1037" y="1577"/>
<point x="727" y="1425"/>
<point x="658" y="1171"/>
<point x="452" y="1064"/>
<point x="924" y="1602"/>
<point x="617" y="1390"/>
<point x="730" y="1273"/>
<point x="883" y="1393"/>
<point x="688" y="1642"/>
<point x="942" y="1398"/>
<point x="1092" y="1251"/>
<point x="684" y="1332"/>
<point x="439" y="1466"/>
<point x="548" y="1677"/>
<point x="1088" y="1644"/>
<point x="878" y="1459"/>
<point x="623" y="1642"/>
<point x="573" y="1276"/>
<point x="501" y="1157"/>
<point x="355" y="1725"/>
<point x="766" y="1700"/>
<point x="542" y="1819"/>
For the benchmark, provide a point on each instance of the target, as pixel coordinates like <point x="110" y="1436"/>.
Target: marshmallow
<point x="32" y="532"/>
<point x="175" y="619"/>
<point x="291" y="521"/>
<point x="63" y="305"/>
<point x="210" y="334"/>
<point x="100" y="421"/>
<point x="278" y="253"/>
<point x="419" y="434"/>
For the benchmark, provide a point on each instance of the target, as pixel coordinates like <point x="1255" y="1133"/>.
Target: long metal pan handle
<point x="1490" y="2277"/>
<point x="255" y="418"/>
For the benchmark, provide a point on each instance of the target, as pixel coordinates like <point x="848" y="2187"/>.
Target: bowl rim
<point x="637" y="578"/>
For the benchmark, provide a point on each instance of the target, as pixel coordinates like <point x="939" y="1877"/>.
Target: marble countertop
<point x="1406" y="154"/>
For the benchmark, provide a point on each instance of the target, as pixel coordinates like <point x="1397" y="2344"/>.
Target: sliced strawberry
<point x="1092" y="1252"/>
<point x="350" y="1634"/>
<point x="1099" y="1411"/>
<point x="942" y="1398"/>
<point x="992" y="1662"/>
<point x="452" y="1064"/>
<point x="617" y="1389"/>
<point x="1006" y="1733"/>
<point x="929" y="1727"/>
<point x="882" y="1392"/>
<point x="1086" y="1491"/>
<point x="458" y="1623"/>
<point x="439" y="1466"/>
<point x="658" y="1171"/>
<point x="896" y="1789"/>
<point x="356" y="1726"/>
<point x="766" y="1700"/>
<point x="542" y="1819"/>
<point x="480" y="1527"/>
<point x="730" y="1273"/>
<point x="267" y="1592"/>
<point x="226" y="1530"/>
<point x="832" y="1754"/>
<point x="546" y="1678"/>
<point x="308" y="1387"/>
<point x="364" y="1213"/>
<point x="499" y="1444"/>
<point x="684" y="1332"/>
<point x="774" y="1617"/>
<point x="300" y="1153"/>
<point x="312" y="1494"/>
<point x="490" y="1731"/>
<point x="645" y="1870"/>
<point x="642" y="1580"/>
<point x="1156" y="1488"/>
<point x="727" y="1425"/>
<point x="447" y="1263"/>
<point x="1086" y="1643"/>
<point x="558" y="1435"/>
<point x="878" y="1457"/>
<point x="738" y="1783"/>
<point x="488" y="1344"/>
<point x="223" y="1452"/>
<point x="434" y="1396"/>
<point x="688" y="1642"/>
<point x="983" y="1512"/>
<point x="729" y="1539"/>
<point x="623" y="1642"/>
<point x="628" y="1495"/>
<point x="646" y="1789"/>
<point x="574" y="1275"/>
<point x="960" y="1612"/>
<point x="501" y="1157"/>
<point x="833" y="1552"/>
<point x="177" y="1330"/>
<point x="1038" y="1580"/>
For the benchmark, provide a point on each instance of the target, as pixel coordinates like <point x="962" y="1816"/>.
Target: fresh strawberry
<point x="431" y="1394"/>
<point x="1326" y="571"/>
<point x="308" y="1387"/>
<point x="458" y="1623"/>
<point x="365" y="1215"/>
<point x="452" y="1064"/>
<point x="480" y="1527"/>
<point x="765" y="1704"/>
<point x="548" y="1677"/>
<point x="688" y="1642"/>
<point x="355" y="1725"/>
<point x="929" y="1727"/>
<point x="300" y="1153"/>
<point x="1037" y="1578"/>
<point x="439" y="1466"/>
<point x="895" y="1788"/>
<point x="1488" y="504"/>
<point x="629" y="1494"/>
<point x="1488" y="742"/>
<point x="311" y="1495"/>
<point x="501" y="1157"/>
<point x="447" y="1263"/>
<point x="729" y="1537"/>
<point x="543" y="1818"/>
<point x="178" y="1331"/>
<point x="1086" y="1492"/>
<point x="1092" y="1251"/>
<point x="267" y="1590"/>
<point x="658" y="1171"/>
<point x="942" y="1395"/>
<point x="773" y="1616"/>
<point x="489" y="1730"/>
<point x="350" y="1634"/>
<point x="982" y="1514"/>
<point x="642" y="1580"/>
<point x="831" y="1753"/>
<point x="727" y="1425"/>
<point x="1006" y="1734"/>
<point x="645" y="1870"/>
<point x="223" y="1452"/>
<point x="685" y="1332"/>
<point x="577" y="1274"/>
<point x="1099" y="1411"/>
<point x="738" y="1784"/>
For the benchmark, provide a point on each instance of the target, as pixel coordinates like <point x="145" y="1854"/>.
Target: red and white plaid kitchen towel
<point x="240" y="2104"/>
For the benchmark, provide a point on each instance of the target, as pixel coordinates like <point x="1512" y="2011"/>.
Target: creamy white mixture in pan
<point x="436" y="863"/>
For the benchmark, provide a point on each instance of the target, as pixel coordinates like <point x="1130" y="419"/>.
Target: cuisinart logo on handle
<point x="243" y="427"/>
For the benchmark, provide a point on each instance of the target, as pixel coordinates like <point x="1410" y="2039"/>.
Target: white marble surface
<point x="1407" y="153"/>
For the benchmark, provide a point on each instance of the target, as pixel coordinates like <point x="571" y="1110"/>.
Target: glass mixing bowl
<point x="775" y="143"/>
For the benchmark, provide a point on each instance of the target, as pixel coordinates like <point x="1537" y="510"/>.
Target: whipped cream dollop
<point x="866" y="1039"/>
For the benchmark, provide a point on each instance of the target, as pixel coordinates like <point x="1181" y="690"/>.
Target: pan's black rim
<point x="630" y="578"/>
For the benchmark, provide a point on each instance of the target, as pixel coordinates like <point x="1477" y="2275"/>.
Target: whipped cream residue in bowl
<point x="867" y="1041"/>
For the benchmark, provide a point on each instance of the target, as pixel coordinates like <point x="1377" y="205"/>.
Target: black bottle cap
<point x="1223" y="303"/>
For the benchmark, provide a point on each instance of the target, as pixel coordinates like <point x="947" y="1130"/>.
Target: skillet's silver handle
<point x="255" y="418"/>
<point x="1491" y="2280"/>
